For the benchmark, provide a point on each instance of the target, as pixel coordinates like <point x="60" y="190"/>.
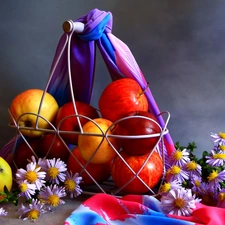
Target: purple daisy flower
<point x="216" y="158"/>
<point x="176" y="173"/>
<point x="71" y="184"/>
<point x="178" y="202"/>
<point x="55" y="171"/>
<point x="196" y="181"/>
<point x="218" y="139"/>
<point x="193" y="168"/>
<point x="40" y="162"/>
<point x="27" y="190"/>
<point x="219" y="148"/>
<point x="167" y="186"/>
<point x="179" y="158"/>
<point x="215" y="178"/>
<point x="51" y="196"/>
<point x="33" y="211"/>
<point x="205" y="190"/>
<point x="3" y="212"/>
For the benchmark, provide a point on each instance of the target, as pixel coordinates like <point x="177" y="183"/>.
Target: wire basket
<point x="107" y="186"/>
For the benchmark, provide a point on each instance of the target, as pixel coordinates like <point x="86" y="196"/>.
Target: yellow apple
<point x="93" y="145"/>
<point x="24" y="109"/>
<point x="5" y="175"/>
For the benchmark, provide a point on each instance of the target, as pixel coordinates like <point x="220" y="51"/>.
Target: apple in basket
<point x="121" y="97"/>
<point x="24" y="109"/>
<point x="138" y="123"/>
<point x="23" y="152"/>
<point x="99" y="172"/>
<point x="67" y="119"/>
<point x="151" y="173"/>
<point x="51" y="146"/>
<point x="95" y="144"/>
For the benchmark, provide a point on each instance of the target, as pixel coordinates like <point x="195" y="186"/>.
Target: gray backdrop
<point x="179" y="45"/>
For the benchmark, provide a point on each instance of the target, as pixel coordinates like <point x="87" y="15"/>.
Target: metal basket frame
<point x="109" y="186"/>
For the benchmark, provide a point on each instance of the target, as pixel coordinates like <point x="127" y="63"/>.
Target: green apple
<point x="24" y="109"/>
<point x="5" y="175"/>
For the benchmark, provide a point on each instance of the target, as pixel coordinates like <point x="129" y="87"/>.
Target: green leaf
<point x="3" y="196"/>
<point x="177" y="145"/>
<point x="6" y="190"/>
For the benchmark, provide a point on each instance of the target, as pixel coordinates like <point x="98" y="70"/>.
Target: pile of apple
<point x="119" y="140"/>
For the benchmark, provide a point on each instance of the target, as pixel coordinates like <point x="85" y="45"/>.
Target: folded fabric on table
<point x="102" y="209"/>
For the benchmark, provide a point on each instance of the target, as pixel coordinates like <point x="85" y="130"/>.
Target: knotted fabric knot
<point x="96" y="23"/>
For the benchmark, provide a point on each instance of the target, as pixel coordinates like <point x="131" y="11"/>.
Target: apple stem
<point x="147" y="86"/>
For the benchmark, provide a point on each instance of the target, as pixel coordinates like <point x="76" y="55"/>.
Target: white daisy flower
<point x="32" y="174"/>
<point x="178" y="202"/>
<point x="27" y="190"/>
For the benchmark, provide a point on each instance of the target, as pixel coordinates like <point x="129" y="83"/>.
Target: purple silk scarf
<point x="77" y="52"/>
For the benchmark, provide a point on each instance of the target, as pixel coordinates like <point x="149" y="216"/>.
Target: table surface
<point x="57" y="217"/>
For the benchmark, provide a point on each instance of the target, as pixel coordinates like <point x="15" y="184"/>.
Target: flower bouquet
<point x="189" y="179"/>
<point x="42" y="185"/>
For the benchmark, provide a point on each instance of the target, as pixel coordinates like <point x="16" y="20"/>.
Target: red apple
<point x="51" y="146"/>
<point x="136" y="125"/>
<point x="150" y="174"/>
<point x="67" y="120"/>
<point x="23" y="152"/>
<point x="100" y="172"/>
<point x="121" y="97"/>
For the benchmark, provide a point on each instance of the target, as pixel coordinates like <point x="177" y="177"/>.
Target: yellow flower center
<point x="53" y="172"/>
<point x="213" y="175"/>
<point x="221" y="197"/>
<point x="179" y="203"/>
<point x="23" y="187"/>
<point x="165" y="188"/>
<point x="222" y="135"/>
<point x="191" y="165"/>
<point x="222" y="147"/>
<point x="53" y="200"/>
<point x="197" y="183"/>
<point x="175" y="170"/>
<point x="219" y="156"/>
<point x="31" y="176"/>
<point x="177" y="155"/>
<point x="33" y="214"/>
<point x="70" y="185"/>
